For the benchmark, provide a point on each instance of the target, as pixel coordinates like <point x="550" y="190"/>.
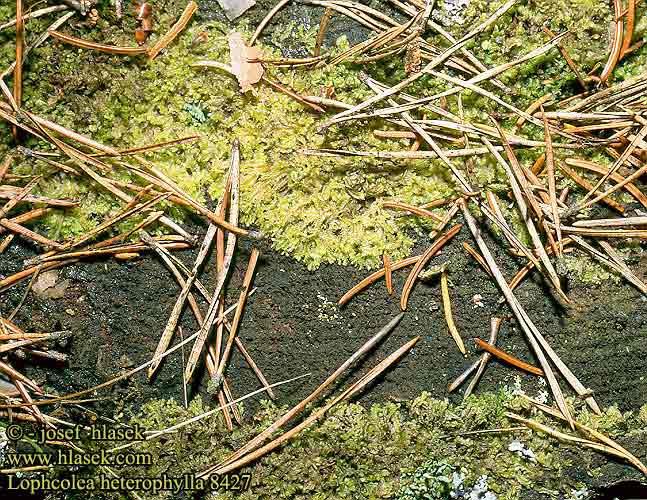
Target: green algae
<point x="381" y="451"/>
<point x="317" y="209"/>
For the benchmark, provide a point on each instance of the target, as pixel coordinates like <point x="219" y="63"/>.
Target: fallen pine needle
<point x="374" y="277"/>
<point x="424" y="258"/>
<point x="265" y="434"/>
<point x="86" y="44"/>
<point x="355" y="388"/>
<point x="181" y="23"/>
<point x="388" y="274"/>
<point x="504" y="356"/>
<point x="447" y="307"/>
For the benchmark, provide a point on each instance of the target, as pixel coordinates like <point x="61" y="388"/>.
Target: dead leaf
<point x="247" y="73"/>
<point x="47" y="286"/>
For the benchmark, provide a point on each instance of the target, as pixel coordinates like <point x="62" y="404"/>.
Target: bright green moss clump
<point x="317" y="209"/>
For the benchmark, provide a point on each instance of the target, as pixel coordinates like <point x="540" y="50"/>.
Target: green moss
<point x="317" y="209"/>
<point x="385" y="451"/>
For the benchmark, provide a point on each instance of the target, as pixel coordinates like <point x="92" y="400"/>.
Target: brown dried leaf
<point x="247" y="73"/>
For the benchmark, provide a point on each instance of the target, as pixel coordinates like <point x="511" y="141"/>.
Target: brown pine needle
<point x="9" y="193"/>
<point x="365" y="348"/>
<point x="175" y="30"/>
<point x="152" y="147"/>
<point x="355" y="388"/>
<point x="99" y="47"/>
<point x="616" y="43"/>
<point x="5" y="166"/>
<point x="568" y="59"/>
<point x="19" y="377"/>
<point x="496" y="210"/>
<point x="463" y="376"/>
<point x="291" y="93"/>
<point x="323" y="28"/>
<point x="20" y="47"/>
<point x="28" y="216"/>
<point x="206" y="326"/>
<point x="521" y="189"/>
<point x="588" y="186"/>
<point x="495" y="326"/>
<point x="534" y="106"/>
<point x="119" y="378"/>
<point x="615" y="177"/>
<point x="593" y="433"/>
<point x="247" y="283"/>
<point x="631" y="19"/>
<point x="374" y="277"/>
<point x="235" y="411"/>
<point x="438" y="203"/>
<point x="266" y="20"/>
<point x="388" y="274"/>
<point x="449" y="318"/>
<point x="521" y="274"/>
<point x="504" y="356"/>
<point x="552" y="189"/>
<point x="533" y="335"/>
<point x="424" y="258"/>
<point x="174" y="318"/>
<point x="411" y="208"/>
<point x="18" y="196"/>
<point x="29" y="234"/>
<point x="213" y="358"/>
<point x="5" y="244"/>
<point x="477" y="257"/>
<point x="585" y="202"/>
<point x="603" y="448"/>
<point x="538" y="166"/>
<point x="635" y="176"/>
<point x="432" y="64"/>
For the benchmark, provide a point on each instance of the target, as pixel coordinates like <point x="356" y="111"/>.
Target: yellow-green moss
<point x="316" y="209"/>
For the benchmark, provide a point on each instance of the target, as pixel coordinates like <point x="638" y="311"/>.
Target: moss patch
<point x="391" y="450"/>
<point x="317" y="209"/>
